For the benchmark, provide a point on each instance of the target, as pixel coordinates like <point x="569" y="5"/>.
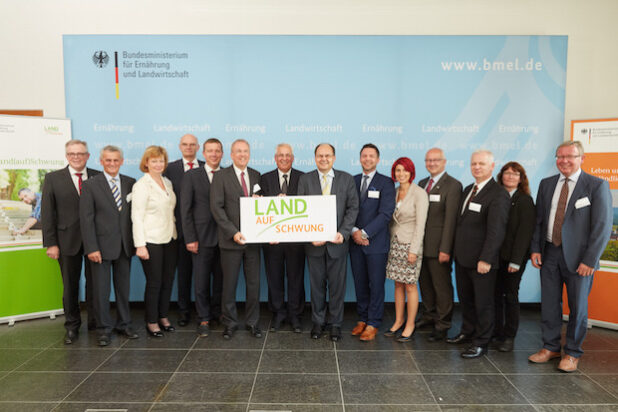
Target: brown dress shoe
<point x="568" y="364"/>
<point x="359" y="328"/>
<point x="543" y="356"/>
<point x="369" y="333"/>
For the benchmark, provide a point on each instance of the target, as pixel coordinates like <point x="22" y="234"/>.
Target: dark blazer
<point x="198" y="223"/>
<point x="60" y="211"/>
<point x="347" y="208"/>
<point x="479" y="235"/>
<point x="269" y="183"/>
<point x="586" y="229"/>
<point x="225" y="195"/>
<point x="442" y="216"/>
<point x="519" y="230"/>
<point x="375" y="214"/>
<point x="175" y="171"/>
<point x="104" y="227"/>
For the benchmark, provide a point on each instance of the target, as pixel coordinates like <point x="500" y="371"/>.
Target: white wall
<point x="31" y="72"/>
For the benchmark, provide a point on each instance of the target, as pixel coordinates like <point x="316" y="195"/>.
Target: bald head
<point x="189" y="147"/>
<point x="435" y="162"/>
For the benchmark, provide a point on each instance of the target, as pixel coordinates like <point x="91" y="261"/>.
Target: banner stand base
<point x="594" y="322"/>
<point x="35" y="315"/>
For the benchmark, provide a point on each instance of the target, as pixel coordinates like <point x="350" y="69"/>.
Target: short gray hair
<point x="112" y="148"/>
<point x="489" y="154"/>
<point x="576" y="143"/>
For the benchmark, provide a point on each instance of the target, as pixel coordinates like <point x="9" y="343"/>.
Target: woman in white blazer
<point x="404" y="258"/>
<point x="154" y="235"/>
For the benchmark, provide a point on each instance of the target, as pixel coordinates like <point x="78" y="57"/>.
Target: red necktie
<point x="190" y="165"/>
<point x="79" y="181"/>
<point x="244" y="185"/>
<point x="429" y="186"/>
<point x="471" y="197"/>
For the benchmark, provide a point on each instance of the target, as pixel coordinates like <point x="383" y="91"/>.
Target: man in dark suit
<point x="435" y="282"/>
<point x="327" y="260"/>
<point x="175" y="172"/>
<point x="200" y="234"/>
<point x="228" y="186"/>
<point x="286" y="259"/>
<point x="371" y="242"/>
<point x="62" y="235"/>
<point x="105" y="214"/>
<point x="573" y="225"/>
<point x="481" y="225"/>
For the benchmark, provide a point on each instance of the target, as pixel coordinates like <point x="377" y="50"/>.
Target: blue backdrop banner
<point x="406" y="94"/>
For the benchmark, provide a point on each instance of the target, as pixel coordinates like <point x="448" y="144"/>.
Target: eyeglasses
<point x="433" y="160"/>
<point x="509" y="173"/>
<point x="76" y="154"/>
<point x="326" y="156"/>
<point x="567" y="157"/>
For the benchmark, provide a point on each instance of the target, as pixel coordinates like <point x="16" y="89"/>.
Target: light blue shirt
<point x="110" y="183"/>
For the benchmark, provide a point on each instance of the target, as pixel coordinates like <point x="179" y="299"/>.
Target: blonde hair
<point x="152" y="151"/>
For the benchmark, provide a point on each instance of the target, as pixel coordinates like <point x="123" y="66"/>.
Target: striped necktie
<point x="325" y="186"/>
<point x="116" y="193"/>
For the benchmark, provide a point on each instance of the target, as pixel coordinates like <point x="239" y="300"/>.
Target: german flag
<point x="116" y="68"/>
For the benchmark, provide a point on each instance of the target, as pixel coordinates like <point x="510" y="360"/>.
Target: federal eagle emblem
<point x="100" y="59"/>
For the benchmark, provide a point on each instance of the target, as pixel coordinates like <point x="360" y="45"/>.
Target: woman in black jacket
<point x="514" y="253"/>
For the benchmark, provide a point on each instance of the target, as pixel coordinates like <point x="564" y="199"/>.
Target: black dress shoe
<point x="184" y="319"/>
<point x="393" y="333"/>
<point x="506" y="345"/>
<point x="105" y="339"/>
<point x="316" y="331"/>
<point x="461" y="338"/>
<point x="474" y="352"/>
<point x="254" y="331"/>
<point x="203" y="329"/>
<point x="168" y="328"/>
<point x="275" y="324"/>
<point x="296" y="326"/>
<point x="436" y="335"/>
<point x="402" y="338"/>
<point x="228" y="332"/>
<point x="155" y="333"/>
<point x="70" y="337"/>
<point x="423" y="323"/>
<point x="335" y="333"/>
<point x="128" y="332"/>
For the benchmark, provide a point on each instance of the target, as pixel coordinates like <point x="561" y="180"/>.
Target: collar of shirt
<point x="185" y="163"/>
<point x="512" y="192"/>
<point x="436" y="178"/>
<point x="210" y="169"/>
<point x="573" y="178"/>
<point x="238" y="171"/>
<point x="481" y="185"/>
<point x="330" y="174"/>
<point x="83" y="172"/>
<point x="109" y="180"/>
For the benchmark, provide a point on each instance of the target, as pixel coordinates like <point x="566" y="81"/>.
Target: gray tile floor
<point x="291" y="372"/>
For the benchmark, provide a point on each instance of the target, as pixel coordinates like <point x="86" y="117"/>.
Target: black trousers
<point x="231" y="259"/>
<point x="185" y="270"/>
<point x="207" y="262"/>
<point x="159" y="271"/>
<point x="476" y="295"/>
<point x="71" y="270"/>
<point x="507" y="301"/>
<point x="437" y="292"/>
<point x="327" y="276"/>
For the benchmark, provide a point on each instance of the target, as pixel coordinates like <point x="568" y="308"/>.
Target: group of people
<point x="185" y="216"/>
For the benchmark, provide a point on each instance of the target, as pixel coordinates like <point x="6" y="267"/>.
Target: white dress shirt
<point x="246" y="177"/>
<point x="185" y="164"/>
<point x="210" y="171"/>
<point x="75" y="178"/>
<point x="479" y="187"/>
<point x="554" y="200"/>
<point x="152" y="212"/>
<point x="330" y="175"/>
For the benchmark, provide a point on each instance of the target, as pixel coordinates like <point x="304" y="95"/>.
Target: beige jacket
<point x="408" y="222"/>
<point x="152" y="212"/>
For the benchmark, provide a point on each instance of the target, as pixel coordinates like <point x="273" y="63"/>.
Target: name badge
<point x="373" y="194"/>
<point x="256" y="188"/>
<point x="475" y="207"/>
<point x="583" y="202"/>
<point x="434" y="198"/>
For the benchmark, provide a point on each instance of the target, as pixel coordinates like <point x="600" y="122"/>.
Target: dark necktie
<point x="243" y="184"/>
<point x="470" y="198"/>
<point x="363" y="189"/>
<point x="79" y="181"/>
<point x="284" y="186"/>
<point x="429" y="186"/>
<point x="556" y="234"/>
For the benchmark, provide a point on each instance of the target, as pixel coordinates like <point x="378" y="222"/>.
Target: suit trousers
<point x="207" y="261"/>
<point x="71" y="270"/>
<point x="554" y="274"/>
<point x="476" y="295"/>
<point x="325" y="270"/>
<point x="231" y="260"/>
<point x="369" y="272"/>
<point x="437" y="292"/>
<point x="159" y="271"/>
<point x="281" y="261"/>
<point x="185" y="269"/>
<point x="101" y="275"/>
<point x="507" y="300"/>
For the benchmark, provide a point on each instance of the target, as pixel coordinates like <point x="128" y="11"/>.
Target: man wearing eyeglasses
<point x="62" y="234"/>
<point x="573" y="225"/>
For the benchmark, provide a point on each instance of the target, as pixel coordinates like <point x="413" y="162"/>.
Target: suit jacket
<point x="442" y="215"/>
<point x="586" y="229"/>
<point x="198" y="223"/>
<point x="269" y="183"/>
<point x="374" y="214"/>
<point x="347" y="208"/>
<point x="175" y="172"/>
<point x="408" y="222"/>
<point x="152" y="212"/>
<point x="519" y="230"/>
<point x="104" y="227"/>
<point x="60" y="211"/>
<point x="479" y="235"/>
<point x="225" y="195"/>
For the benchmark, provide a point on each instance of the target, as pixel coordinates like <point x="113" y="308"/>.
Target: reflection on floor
<point x="289" y="371"/>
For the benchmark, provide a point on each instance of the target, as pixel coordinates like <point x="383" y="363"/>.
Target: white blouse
<point x="152" y="212"/>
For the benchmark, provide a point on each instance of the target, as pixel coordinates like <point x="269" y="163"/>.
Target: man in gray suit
<point x="327" y="260"/>
<point x="228" y="186"/>
<point x="573" y="225"/>
<point x="105" y="217"/>
<point x="435" y="282"/>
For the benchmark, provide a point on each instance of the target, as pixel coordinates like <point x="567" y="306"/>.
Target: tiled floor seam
<point x="411" y="353"/>
<point x="257" y="369"/>
<point x="509" y="381"/>
<point x="339" y="377"/>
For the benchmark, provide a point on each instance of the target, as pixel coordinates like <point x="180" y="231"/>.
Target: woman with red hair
<point x="404" y="258"/>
